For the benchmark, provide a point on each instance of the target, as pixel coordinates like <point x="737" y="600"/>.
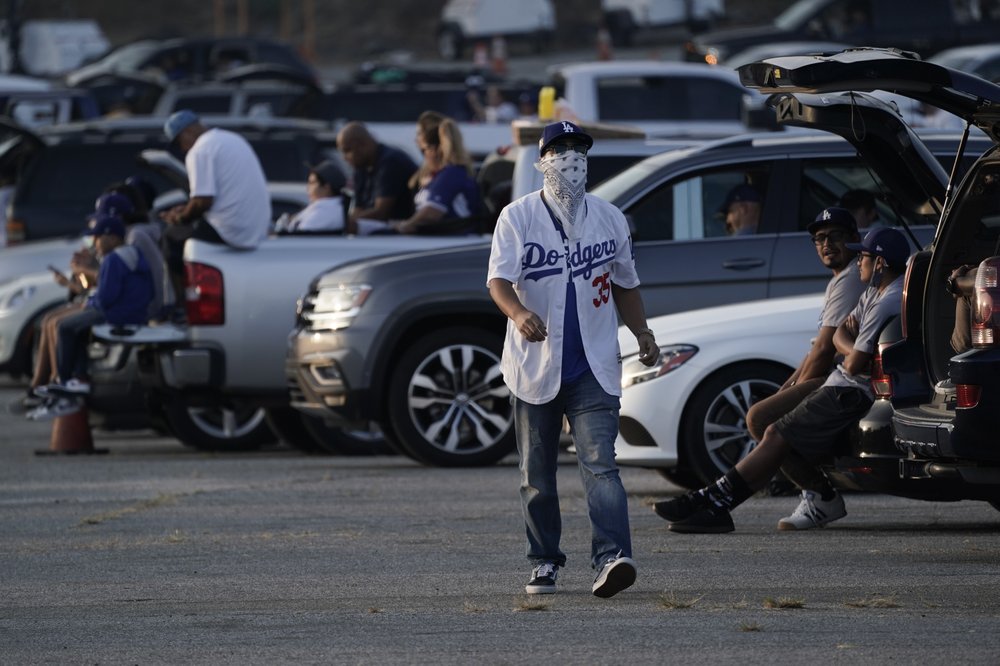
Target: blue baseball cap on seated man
<point x="104" y="225"/>
<point x="114" y="203"/>
<point x="560" y="130"/>
<point x="178" y="122"/>
<point x="885" y="242"/>
<point x="834" y="217"/>
<point x="741" y="192"/>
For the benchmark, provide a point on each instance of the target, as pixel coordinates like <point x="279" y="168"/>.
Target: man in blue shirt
<point x="381" y="177"/>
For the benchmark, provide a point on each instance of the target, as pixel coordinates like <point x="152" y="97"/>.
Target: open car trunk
<point x="971" y="231"/>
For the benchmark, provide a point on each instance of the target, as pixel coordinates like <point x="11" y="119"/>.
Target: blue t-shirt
<point x="574" y="360"/>
<point x="388" y="178"/>
<point x="452" y="191"/>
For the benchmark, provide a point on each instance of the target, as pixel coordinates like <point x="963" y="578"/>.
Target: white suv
<point x="465" y="21"/>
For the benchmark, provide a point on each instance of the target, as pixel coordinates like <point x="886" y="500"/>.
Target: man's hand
<point x="649" y="351"/>
<point x="851" y="325"/>
<point x="174" y="215"/>
<point x="531" y="326"/>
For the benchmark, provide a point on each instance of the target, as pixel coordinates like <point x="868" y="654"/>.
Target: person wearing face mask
<point x="813" y="428"/>
<point x="562" y="270"/>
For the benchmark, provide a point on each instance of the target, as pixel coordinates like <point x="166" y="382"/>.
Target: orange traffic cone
<point x="71" y="435"/>
<point x="480" y="57"/>
<point x="498" y="54"/>
<point x="604" y="44"/>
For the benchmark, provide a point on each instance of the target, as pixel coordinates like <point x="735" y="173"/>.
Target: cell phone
<point x="57" y="272"/>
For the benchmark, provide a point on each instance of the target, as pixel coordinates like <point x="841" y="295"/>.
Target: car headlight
<point x="671" y="357"/>
<point x="332" y="308"/>
<point x="17" y="298"/>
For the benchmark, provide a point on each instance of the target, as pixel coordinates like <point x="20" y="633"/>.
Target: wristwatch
<point x="645" y="331"/>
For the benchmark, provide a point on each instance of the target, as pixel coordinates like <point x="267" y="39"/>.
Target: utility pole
<point x="14" y="36"/>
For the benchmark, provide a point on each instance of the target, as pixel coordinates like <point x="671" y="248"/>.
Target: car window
<point x="692" y="207"/>
<point x="825" y="181"/>
<point x="205" y="103"/>
<point x="667" y="98"/>
<point x="602" y="167"/>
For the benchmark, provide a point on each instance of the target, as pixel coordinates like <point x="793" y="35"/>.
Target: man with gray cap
<point x="814" y="427"/>
<point x="562" y="270"/>
<point x="229" y="202"/>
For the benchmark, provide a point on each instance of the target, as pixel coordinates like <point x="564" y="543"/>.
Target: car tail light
<point x="15" y="231"/>
<point x="967" y="395"/>
<point x="204" y="295"/>
<point x="986" y="305"/>
<point x="881" y="382"/>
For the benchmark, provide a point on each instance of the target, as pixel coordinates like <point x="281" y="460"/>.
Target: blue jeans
<point x="593" y="419"/>
<point x="72" y="337"/>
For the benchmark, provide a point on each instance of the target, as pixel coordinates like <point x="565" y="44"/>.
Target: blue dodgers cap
<point x="106" y="224"/>
<point x="742" y="192"/>
<point x="885" y="242"/>
<point x="178" y="122"/>
<point x="115" y="204"/>
<point x="562" y="129"/>
<point x="834" y="217"/>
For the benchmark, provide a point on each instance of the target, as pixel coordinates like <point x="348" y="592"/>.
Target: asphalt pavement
<point x="154" y="553"/>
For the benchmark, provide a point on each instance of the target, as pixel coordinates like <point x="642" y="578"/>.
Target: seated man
<point x="381" y="177"/>
<point x="861" y="203"/>
<point x="741" y="210"/>
<point x="124" y="291"/>
<point x="813" y="428"/>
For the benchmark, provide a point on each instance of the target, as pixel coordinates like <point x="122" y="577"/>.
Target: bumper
<point x="324" y="373"/>
<point x="650" y="418"/>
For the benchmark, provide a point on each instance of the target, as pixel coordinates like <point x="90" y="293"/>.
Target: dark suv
<point x="936" y="417"/>
<point x="60" y="170"/>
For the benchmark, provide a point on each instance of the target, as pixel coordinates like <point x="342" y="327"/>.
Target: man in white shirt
<point x="813" y="428"/>
<point x="562" y="270"/>
<point x="228" y="187"/>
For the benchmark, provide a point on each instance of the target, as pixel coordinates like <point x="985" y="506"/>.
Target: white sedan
<point x="686" y="415"/>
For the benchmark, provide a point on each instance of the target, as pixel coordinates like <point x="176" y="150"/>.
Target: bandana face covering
<point x="565" y="181"/>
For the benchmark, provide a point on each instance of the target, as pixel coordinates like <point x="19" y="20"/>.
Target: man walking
<point x="562" y="269"/>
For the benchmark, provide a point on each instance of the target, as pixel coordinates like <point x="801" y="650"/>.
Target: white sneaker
<point x="72" y="387"/>
<point x="543" y="579"/>
<point x="812" y="512"/>
<point x="54" y="407"/>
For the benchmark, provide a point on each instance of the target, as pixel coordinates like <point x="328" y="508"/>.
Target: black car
<point x="924" y="26"/>
<point x="60" y="170"/>
<point x="932" y="432"/>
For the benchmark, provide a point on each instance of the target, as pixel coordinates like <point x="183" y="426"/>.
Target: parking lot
<point x="154" y="553"/>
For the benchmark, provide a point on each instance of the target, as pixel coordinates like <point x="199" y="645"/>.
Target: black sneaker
<point x="679" y="508"/>
<point x="617" y="574"/>
<point x="710" y="520"/>
<point x="543" y="579"/>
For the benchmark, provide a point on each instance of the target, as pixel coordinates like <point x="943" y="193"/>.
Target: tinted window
<point x="277" y="54"/>
<point x="205" y="103"/>
<point x="692" y="207"/>
<point x="600" y="168"/>
<point x="667" y="98"/>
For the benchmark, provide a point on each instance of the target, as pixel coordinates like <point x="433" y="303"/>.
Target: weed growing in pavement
<point x="373" y="609"/>
<point x="470" y="607"/>
<point x="531" y="605"/>
<point x="750" y="626"/>
<point x="873" y="602"/>
<point x="159" y="500"/>
<point x="176" y="537"/>
<point x="671" y="601"/>
<point x="784" y="602"/>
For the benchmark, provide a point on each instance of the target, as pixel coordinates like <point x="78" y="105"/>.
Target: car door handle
<point x="742" y="264"/>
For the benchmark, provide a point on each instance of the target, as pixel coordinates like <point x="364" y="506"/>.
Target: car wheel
<point x="231" y="427"/>
<point x="449" y="42"/>
<point x="714" y="435"/>
<point x="448" y="404"/>
<point x="338" y="441"/>
<point x="679" y="476"/>
<point x="288" y="424"/>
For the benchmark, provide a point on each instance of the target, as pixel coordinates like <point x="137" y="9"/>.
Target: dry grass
<point x="784" y="602"/>
<point x="373" y="610"/>
<point x="145" y="505"/>
<point x="531" y="605"/>
<point x="750" y="626"/>
<point x="873" y="602"/>
<point x="671" y="601"/>
<point x="470" y="607"/>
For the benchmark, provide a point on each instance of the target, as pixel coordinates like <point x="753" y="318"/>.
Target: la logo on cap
<point x="567" y="127"/>
<point x="827" y="215"/>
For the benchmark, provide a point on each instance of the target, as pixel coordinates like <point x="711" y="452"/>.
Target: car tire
<point x="449" y="43"/>
<point x="448" y="404"/>
<point x="289" y="425"/>
<point x="341" y="442"/>
<point x="713" y="428"/>
<point x="231" y="427"/>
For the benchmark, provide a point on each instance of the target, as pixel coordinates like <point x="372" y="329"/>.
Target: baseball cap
<point x="178" y="122"/>
<point x="886" y="242"/>
<point x="106" y="224"/>
<point x="329" y="173"/>
<point x="115" y="204"/>
<point x="741" y="192"/>
<point x="834" y="217"/>
<point x="562" y="129"/>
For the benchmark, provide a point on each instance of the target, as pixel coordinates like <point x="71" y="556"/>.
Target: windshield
<point x="960" y="61"/>
<point x="797" y="14"/>
<point x="130" y="56"/>
<point x="617" y="187"/>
